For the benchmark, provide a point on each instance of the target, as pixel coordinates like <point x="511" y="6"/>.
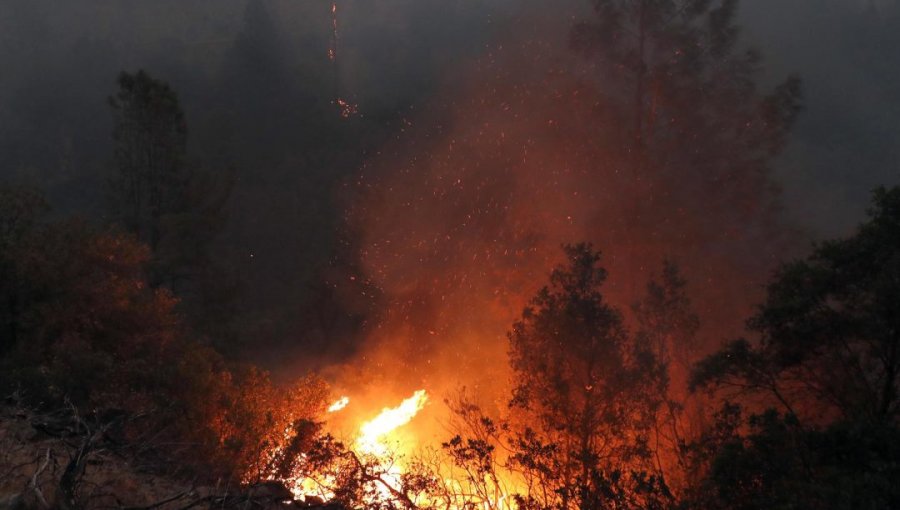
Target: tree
<point x="829" y="330"/>
<point x="86" y="327"/>
<point x="83" y="327"/>
<point x="696" y="122"/>
<point x="585" y="401"/>
<point x="588" y="390"/>
<point x="261" y="81"/>
<point x="676" y="72"/>
<point x="150" y="138"/>
<point x="667" y="328"/>
<point x="172" y="207"/>
<point x="827" y="353"/>
<point x="667" y="324"/>
<point x="20" y="210"/>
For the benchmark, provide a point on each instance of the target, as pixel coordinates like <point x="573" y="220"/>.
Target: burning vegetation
<point x="546" y="262"/>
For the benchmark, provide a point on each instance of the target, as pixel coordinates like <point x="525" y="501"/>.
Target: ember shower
<point x="459" y="219"/>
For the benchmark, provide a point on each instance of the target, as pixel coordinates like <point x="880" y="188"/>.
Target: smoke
<point x="258" y="91"/>
<point x="459" y="220"/>
<point x="846" y="142"/>
<point x="476" y="161"/>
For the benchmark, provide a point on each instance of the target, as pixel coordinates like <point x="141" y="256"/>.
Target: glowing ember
<point x="347" y="109"/>
<point x="339" y="404"/>
<point x="372" y="433"/>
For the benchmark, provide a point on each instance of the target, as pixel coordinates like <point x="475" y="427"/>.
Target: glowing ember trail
<point x="332" y="51"/>
<point x="346" y="108"/>
<point x="339" y="404"/>
<point x="372" y="433"/>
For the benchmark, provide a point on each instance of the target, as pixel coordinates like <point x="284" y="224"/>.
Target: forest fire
<point x="388" y="467"/>
<point x="545" y="267"/>
<point x="457" y="240"/>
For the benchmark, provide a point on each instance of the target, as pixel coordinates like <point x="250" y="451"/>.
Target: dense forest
<point x="226" y="256"/>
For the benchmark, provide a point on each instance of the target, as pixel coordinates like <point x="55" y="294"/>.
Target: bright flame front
<point x="372" y="442"/>
<point x="372" y="434"/>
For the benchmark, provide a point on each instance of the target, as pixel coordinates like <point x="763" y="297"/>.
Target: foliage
<point x="777" y="464"/>
<point x="667" y="324"/>
<point x="84" y="327"/>
<point x="827" y="354"/>
<point x="663" y="58"/>
<point x="667" y="328"/>
<point x="588" y="390"/>
<point x="150" y="136"/>
<point x="261" y="424"/>
<point x="168" y="203"/>
<point x="584" y="405"/>
<point x="19" y="211"/>
<point x="828" y="331"/>
<point x="586" y="401"/>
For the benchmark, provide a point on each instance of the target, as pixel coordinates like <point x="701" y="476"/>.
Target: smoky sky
<point x="68" y="52"/>
<point x="847" y="140"/>
<point x="259" y="91"/>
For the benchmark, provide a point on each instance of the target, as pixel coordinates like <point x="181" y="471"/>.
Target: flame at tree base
<point x="374" y="433"/>
<point x="372" y="446"/>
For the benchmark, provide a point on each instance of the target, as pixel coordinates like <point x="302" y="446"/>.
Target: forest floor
<point x="45" y="464"/>
<point x="34" y="464"/>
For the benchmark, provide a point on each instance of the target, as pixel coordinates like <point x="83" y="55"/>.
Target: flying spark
<point x="339" y="404"/>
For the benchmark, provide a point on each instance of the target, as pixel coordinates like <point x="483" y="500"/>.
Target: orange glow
<point x="458" y="236"/>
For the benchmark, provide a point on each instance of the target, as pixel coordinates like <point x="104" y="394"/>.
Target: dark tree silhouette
<point x="679" y="78"/>
<point x="170" y="204"/>
<point x="589" y="391"/>
<point x="829" y="331"/>
<point x="828" y="357"/>
<point x="20" y="210"/>
<point x="667" y="323"/>
<point x="674" y="75"/>
<point x="667" y="327"/>
<point x="150" y="137"/>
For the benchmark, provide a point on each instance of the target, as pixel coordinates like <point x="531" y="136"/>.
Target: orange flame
<point x="372" y="433"/>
